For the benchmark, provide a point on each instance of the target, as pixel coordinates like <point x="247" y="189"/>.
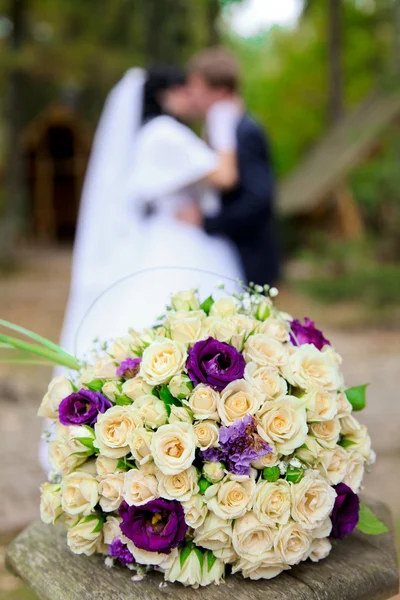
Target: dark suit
<point x="247" y="214"/>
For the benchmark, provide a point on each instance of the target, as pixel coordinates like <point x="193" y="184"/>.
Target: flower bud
<point x="263" y="310"/>
<point x="180" y="386"/>
<point x="203" y="485"/>
<point x="294" y="475"/>
<point x="213" y="472"/>
<point x="186" y="300"/>
<point x="271" y="474"/>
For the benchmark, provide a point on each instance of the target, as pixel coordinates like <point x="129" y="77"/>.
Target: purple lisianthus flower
<point x="117" y="549"/>
<point x="307" y="334"/>
<point x="345" y="513"/>
<point x="129" y="368"/>
<point x="214" y="363"/>
<point x="239" y="446"/>
<point x="82" y="408"/>
<point x="158" y="526"/>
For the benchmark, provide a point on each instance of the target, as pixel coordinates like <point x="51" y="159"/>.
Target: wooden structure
<point x="359" y="568"/>
<point x="56" y="148"/>
<point x="321" y="177"/>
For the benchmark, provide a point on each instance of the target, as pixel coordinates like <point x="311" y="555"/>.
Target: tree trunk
<point x="335" y="59"/>
<point x="13" y="216"/>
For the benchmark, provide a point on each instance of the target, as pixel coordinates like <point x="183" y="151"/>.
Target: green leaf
<point x="156" y="391"/>
<point x="126" y="464"/>
<point x="123" y="400"/>
<point x="211" y="558"/>
<point x="200" y="556"/>
<point x="356" y="396"/>
<point x="203" y="485"/>
<point x="271" y="474"/>
<point x="346" y="443"/>
<point x="88" y="442"/>
<point x="96" y="385"/>
<point x="185" y="553"/>
<point x="294" y="475"/>
<point x="368" y="523"/>
<point x="168" y="398"/>
<point x="207" y="304"/>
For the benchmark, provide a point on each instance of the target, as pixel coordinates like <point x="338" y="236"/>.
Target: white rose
<point x="139" y="488"/>
<point x="110" y="490"/>
<point x="272" y="502"/>
<point x="180" y="386"/>
<point x="86" y="376"/>
<point x="84" y="537"/>
<point x="79" y="493"/>
<point x="151" y="410"/>
<point x="321" y="405"/>
<point x="355" y="471"/>
<point x="262" y="570"/>
<point x="326" y="432"/>
<point x="312" y="500"/>
<point x="275" y="328"/>
<point x="310" y="451"/>
<point x="203" y="403"/>
<point x="180" y="414"/>
<point x="357" y="434"/>
<point x="266" y="380"/>
<point x="230" y="499"/>
<point x="144" y="557"/>
<point x="110" y="389"/>
<point x="105" y="465"/>
<point x="140" y="445"/>
<point x="50" y="502"/>
<point x="227" y="555"/>
<point x="162" y="360"/>
<point x="333" y="464"/>
<point x="265" y="351"/>
<point x="123" y="347"/>
<point x="207" y="434"/>
<point x="76" y="433"/>
<point x="224" y="307"/>
<point x="310" y="368"/>
<point x="134" y="388"/>
<point x="215" y="533"/>
<point x="58" y="389"/>
<point x="323" y="530"/>
<point x="111" y="529"/>
<point x="343" y="405"/>
<point x="195" y="511"/>
<point x="292" y="543"/>
<point x="185" y="300"/>
<point x="61" y="457"/>
<point x="185" y="327"/>
<point x="214" y="574"/>
<point x="271" y="459"/>
<point x="105" y="368"/>
<point x="223" y="330"/>
<point x="252" y="540"/>
<point x="319" y="549"/>
<point x="213" y="471"/>
<point x="190" y="573"/>
<point x="114" y="429"/>
<point x="173" y="447"/>
<point x="238" y="399"/>
<point x="88" y="467"/>
<point x="180" y="486"/>
<point x="283" y="423"/>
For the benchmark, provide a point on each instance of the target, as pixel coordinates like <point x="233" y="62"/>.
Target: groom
<point x="247" y="210"/>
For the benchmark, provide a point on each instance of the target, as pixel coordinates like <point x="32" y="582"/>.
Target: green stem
<point x="64" y="359"/>
<point x="34" y="336"/>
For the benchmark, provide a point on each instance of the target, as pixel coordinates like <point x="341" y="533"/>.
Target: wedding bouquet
<point x="223" y="437"/>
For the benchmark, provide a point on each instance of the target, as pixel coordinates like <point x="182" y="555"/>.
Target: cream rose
<point x="185" y="327"/>
<point x="292" y="543"/>
<point x="180" y="414"/>
<point x="123" y="347"/>
<point x="343" y="405"/>
<point x="266" y="380"/>
<point x="50" y="502"/>
<point x="215" y="533"/>
<point x="272" y="502"/>
<point x="84" y="538"/>
<point x="114" y="429"/>
<point x="151" y="410"/>
<point x="79" y="493"/>
<point x="195" y="511"/>
<point x="62" y="457"/>
<point x="215" y="574"/>
<point x="186" y="300"/>
<point x="260" y="570"/>
<point x="140" y="444"/>
<point x="180" y="486"/>
<point x="173" y="447"/>
<point x="355" y="471"/>
<point x="207" y="434"/>
<point x="189" y="573"/>
<point x="162" y="360"/>
<point x="252" y="539"/>
<point x="180" y="386"/>
<point x="238" y="399"/>
<point x="271" y="459"/>
<point x="139" y="487"/>
<point x="134" y="388"/>
<point x="265" y="351"/>
<point x="275" y="328"/>
<point x="214" y="472"/>
<point x="111" y="390"/>
<point x="310" y="451"/>
<point x="144" y="557"/>
<point x="326" y="432"/>
<point x="312" y="500"/>
<point x="319" y="549"/>
<point x="58" y="389"/>
<point x="223" y="330"/>
<point x="105" y="465"/>
<point x="283" y="424"/>
<point x="230" y="499"/>
<point x="110" y="490"/>
<point x="358" y="437"/>
<point x="111" y="529"/>
<point x="224" y="307"/>
<point x="203" y="403"/>
<point x="333" y="464"/>
<point x="105" y="367"/>
<point x="321" y="405"/>
<point x="310" y="368"/>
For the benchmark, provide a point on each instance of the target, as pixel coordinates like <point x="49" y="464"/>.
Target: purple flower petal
<point x="345" y="513"/>
<point x="214" y="363"/>
<point x="307" y="334"/>
<point x="82" y="408"/>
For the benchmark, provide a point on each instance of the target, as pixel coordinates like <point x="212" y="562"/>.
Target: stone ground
<point x="35" y="297"/>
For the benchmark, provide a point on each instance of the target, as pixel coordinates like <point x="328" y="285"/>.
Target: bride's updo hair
<point x="157" y="81"/>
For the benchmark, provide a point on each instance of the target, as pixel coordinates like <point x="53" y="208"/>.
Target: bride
<point x="145" y="165"/>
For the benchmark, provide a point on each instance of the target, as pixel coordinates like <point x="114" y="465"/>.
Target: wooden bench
<point x="359" y="568"/>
